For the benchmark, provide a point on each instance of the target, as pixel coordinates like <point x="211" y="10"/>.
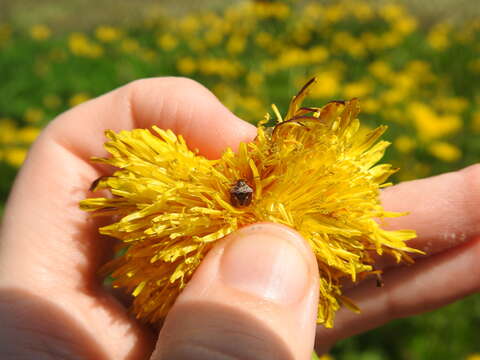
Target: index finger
<point x="48" y="245"/>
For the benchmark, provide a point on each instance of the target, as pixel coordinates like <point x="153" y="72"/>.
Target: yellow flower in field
<point x="328" y="85"/>
<point x="280" y="10"/>
<point x="40" y="32"/>
<point x="381" y="70"/>
<point x="343" y="40"/>
<point x="79" y="98"/>
<point x="302" y="35"/>
<point x="219" y="66"/>
<point x="129" y="46"/>
<point x="5" y="33"/>
<point x="473" y="357"/>
<point x="167" y="42"/>
<point x="445" y="151"/>
<point x="252" y="104"/>
<point x="81" y="45"/>
<point x="189" y="24"/>
<point x="405" y="144"/>
<point x="451" y="104"/>
<point x="403" y="81"/>
<point x="392" y="12"/>
<point x="15" y="156"/>
<point x="312" y="11"/>
<point x="334" y="13"/>
<point x="405" y="25"/>
<point x="148" y="55"/>
<point x="277" y="10"/>
<point x="371" y="41"/>
<point x="7" y="131"/>
<point x="213" y="37"/>
<point x="27" y="135"/>
<point x="390" y="39"/>
<point x="52" y="101"/>
<point x="363" y="11"/>
<point x="438" y="37"/>
<point x="34" y="115"/>
<point x="419" y="70"/>
<point x="393" y="96"/>
<point x="431" y="125"/>
<point x="263" y="39"/>
<point x="255" y="79"/>
<point x="171" y="205"/>
<point x="186" y="66"/>
<point x="370" y="105"/>
<point x="107" y="34"/>
<point x="358" y="89"/>
<point x="236" y="44"/>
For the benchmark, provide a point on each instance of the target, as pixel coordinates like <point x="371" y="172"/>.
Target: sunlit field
<point x="421" y="78"/>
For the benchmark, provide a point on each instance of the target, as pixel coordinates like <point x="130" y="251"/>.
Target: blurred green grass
<point x="415" y="68"/>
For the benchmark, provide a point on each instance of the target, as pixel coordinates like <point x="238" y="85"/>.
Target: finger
<point x="429" y="284"/>
<point x="180" y="104"/>
<point x="253" y="297"/>
<point x="48" y="245"/>
<point x="443" y="210"/>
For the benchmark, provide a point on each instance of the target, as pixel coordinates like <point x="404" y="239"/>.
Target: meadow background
<point x="415" y="65"/>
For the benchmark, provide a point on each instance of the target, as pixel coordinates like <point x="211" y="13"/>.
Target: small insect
<point x="380" y="282"/>
<point x="241" y="194"/>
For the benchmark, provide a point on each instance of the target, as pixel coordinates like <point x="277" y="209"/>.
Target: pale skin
<point x="52" y="303"/>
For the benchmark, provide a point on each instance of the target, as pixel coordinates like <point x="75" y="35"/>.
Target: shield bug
<point x="241" y="194"/>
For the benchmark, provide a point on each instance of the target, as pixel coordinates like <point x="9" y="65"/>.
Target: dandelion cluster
<point x="313" y="171"/>
<point x="399" y="67"/>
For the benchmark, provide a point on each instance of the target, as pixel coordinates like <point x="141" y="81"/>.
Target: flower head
<point x="313" y="172"/>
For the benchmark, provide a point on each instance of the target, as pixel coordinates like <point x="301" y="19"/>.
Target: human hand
<point x="240" y="302"/>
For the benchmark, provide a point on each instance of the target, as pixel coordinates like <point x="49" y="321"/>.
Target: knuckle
<point x="171" y="82"/>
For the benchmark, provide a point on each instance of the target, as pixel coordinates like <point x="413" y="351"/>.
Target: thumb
<point x="255" y="296"/>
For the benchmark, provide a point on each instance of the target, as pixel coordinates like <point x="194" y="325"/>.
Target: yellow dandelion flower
<point x="40" y="32"/>
<point x="438" y="37"/>
<point x="172" y="204"/>
<point x="430" y="125"/>
<point x="380" y="69"/>
<point x="405" y="144"/>
<point x="7" y="131"/>
<point x="358" y="89"/>
<point x="34" y="115"/>
<point x="167" y="42"/>
<point x="445" y="151"/>
<point x="255" y="79"/>
<point x="52" y="101"/>
<point x="5" y="33"/>
<point x="77" y="99"/>
<point x="27" y="134"/>
<point x="371" y="105"/>
<point x="236" y="44"/>
<point x="329" y="84"/>
<point x="81" y="45"/>
<point x="186" y="65"/>
<point x="129" y="46"/>
<point x="213" y="37"/>
<point x="107" y="34"/>
<point x="15" y="156"/>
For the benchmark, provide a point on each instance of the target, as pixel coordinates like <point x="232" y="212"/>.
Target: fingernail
<point x="266" y="261"/>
